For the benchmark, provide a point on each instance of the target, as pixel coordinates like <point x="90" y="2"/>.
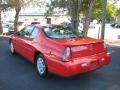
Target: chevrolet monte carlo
<point x="60" y="50"/>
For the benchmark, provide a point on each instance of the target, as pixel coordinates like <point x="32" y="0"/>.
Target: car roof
<point x="47" y="25"/>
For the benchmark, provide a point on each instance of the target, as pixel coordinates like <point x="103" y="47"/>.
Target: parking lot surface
<point x="16" y="73"/>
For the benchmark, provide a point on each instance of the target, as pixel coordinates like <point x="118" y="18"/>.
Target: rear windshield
<point x="60" y="32"/>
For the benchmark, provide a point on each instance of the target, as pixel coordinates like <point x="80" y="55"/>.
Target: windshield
<point x="60" y="32"/>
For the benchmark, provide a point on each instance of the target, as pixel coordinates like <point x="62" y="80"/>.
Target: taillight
<point x="105" y="46"/>
<point x="66" y="55"/>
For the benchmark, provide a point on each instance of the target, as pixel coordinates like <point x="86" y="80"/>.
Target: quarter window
<point x="26" y="32"/>
<point x="34" y="33"/>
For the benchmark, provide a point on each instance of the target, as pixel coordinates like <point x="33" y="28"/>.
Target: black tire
<point x="12" y="49"/>
<point x="41" y="66"/>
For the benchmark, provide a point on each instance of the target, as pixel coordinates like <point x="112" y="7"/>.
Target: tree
<point x="74" y="12"/>
<point x="118" y="12"/>
<point x="111" y="10"/>
<point x="97" y="10"/>
<point x="72" y="7"/>
<point x="104" y="4"/>
<point x="17" y="5"/>
<point x="106" y="13"/>
<point x="88" y="16"/>
<point x="102" y="11"/>
<point x="89" y="8"/>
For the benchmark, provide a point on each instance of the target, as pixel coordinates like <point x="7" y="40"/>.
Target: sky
<point x="117" y="4"/>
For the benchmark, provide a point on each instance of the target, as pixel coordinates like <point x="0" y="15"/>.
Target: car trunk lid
<point x="81" y="47"/>
<point x="87" y="49"/>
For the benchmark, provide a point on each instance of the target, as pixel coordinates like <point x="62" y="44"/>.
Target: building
<point x="42" y="18"/>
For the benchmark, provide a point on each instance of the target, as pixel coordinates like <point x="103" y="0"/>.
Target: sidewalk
<point x="113" y="43"/>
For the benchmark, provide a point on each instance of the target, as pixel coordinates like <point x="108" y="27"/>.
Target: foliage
<point x="53" y="5"/>
<point x="88" y="15"/>
<point x="97" y="10"/>
<point x="111" y="12"/>
<point x="71" y="7"/>
<point x="4" y="7"/>
<point x="118" y="12"/>
<point x="17" y="5"/>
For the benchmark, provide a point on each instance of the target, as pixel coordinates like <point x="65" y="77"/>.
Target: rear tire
<point x="41" y="66"/>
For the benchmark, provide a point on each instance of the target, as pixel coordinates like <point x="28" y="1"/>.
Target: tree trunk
<point x="16" y="19"/>
<point x="74" y="11"/>
<point x="88" y="17"/>
<point x="104" y="4"/>
<point x="75" y="21"/>
<point x="1" y="28"/>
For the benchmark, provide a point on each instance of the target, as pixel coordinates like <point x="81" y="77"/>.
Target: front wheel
<point x="41" y="66"/>
<point x="12" y="49"/>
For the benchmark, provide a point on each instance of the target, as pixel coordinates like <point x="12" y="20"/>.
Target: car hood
<point x="76" y="41"/>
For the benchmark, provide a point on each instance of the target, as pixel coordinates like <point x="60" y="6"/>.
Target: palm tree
<point x="17" y="5"/>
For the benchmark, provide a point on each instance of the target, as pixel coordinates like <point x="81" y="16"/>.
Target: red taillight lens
<point x="105" y="46"/>
<point x="66" y="54"/>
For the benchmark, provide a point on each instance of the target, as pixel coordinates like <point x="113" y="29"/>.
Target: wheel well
<point x="35" y="55"/>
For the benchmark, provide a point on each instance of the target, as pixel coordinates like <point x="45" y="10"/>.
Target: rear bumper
<point x="83" y="65"/>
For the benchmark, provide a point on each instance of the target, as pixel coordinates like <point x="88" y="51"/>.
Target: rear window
<point x="60" y="32"/>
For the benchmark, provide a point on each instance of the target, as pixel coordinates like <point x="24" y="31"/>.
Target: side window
<point x="34" y="33"/>
<point x="26" y="32"/>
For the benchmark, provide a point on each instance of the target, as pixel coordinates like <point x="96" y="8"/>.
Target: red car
<point x="58" y="49"/>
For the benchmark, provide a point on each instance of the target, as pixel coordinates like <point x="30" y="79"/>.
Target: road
<point x="16" y="73"/>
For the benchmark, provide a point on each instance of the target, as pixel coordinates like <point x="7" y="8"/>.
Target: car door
<point x="21" y="40"/>
<point x="17" y="40"/>
<point x="29" y="44"/>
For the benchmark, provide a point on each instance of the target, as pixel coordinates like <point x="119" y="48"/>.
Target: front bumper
<point x="83" y="65"/>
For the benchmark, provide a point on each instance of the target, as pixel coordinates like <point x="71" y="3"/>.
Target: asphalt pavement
<point x="16" y="73"/>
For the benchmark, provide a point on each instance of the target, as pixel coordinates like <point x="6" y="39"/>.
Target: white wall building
<point x="54" y="19"/>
